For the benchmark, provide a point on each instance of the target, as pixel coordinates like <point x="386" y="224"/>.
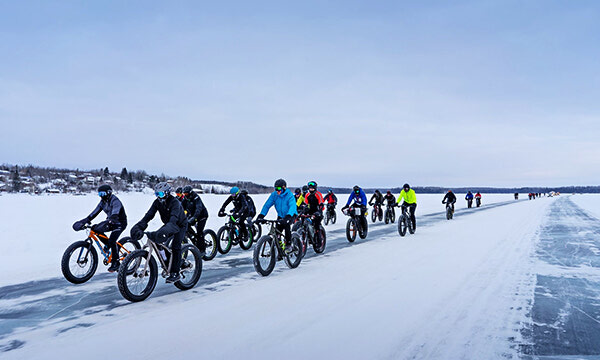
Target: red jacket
<point x="314" y="201"/>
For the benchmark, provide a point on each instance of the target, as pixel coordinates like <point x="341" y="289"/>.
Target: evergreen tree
<point x="16" y="180"/>
<point x="124" y="174"/>
<point x="106" y="172"/>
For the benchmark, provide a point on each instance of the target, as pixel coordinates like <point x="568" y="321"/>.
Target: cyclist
<point x="240" y="209"/>
<point x="179" y="194"/>
<point x="331" y="200"/>
<point x="450" y="198"/>
<point x="389" y="197"/>
<point x="378" y="197"/>
<point x="314" y="206"/>
<point x="409" y="200"/>
<point x="299" y="200"/>
<point x="359" y="198"/>
<point x="478" y="198"/>
<point x="469" y="198"/>
<point x="196" y="213"/>
<point x="175" y="225"/>
<point x="285" y="205"/>
<point x="516" y="196"/>
<point x="115" y="222"/>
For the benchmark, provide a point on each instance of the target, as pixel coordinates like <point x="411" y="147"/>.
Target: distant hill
<point x="35" y="179"/>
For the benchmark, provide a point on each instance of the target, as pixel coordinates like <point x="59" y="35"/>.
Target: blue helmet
<point x="234" y="190"/>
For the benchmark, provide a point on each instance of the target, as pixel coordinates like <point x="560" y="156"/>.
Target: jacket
<point x="240" y="204"/>
<point x="171" y="214"/>
<point x="314" y="201"/>
<point x="449" y="198"/>
<point x="113" y="208"/>
<point x="330" y="198"/>
<point x="469" y="196"/>
<point x="409" y="197"/>
<point x="360" y="199"/>
<point x="378" y="198"/>
<point x="389" y="198"/>
<point x="285" y="204"/>
<point x="194" y="206"/>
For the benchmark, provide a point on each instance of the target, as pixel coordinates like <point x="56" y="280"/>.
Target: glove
<point x="260" y="218"/>
<point x="78" y="225"/>
<point x="221" y="213"/>
<point x="286" y="220"/>
<point x="345" y="207"/>
<point x="95" y="228"/>
<point x="136" y="233"/>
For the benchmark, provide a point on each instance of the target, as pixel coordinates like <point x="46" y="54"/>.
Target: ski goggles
<point x="312" y="185"/>
<point x="357" y="191"/>
<point x="160" y="194"/>
<point x="278" y="189"/>
<point x="102" y="193"/>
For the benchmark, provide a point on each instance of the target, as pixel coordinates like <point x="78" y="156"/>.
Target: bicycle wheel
<point x="327" y="218"/>
<point x="246" y="242"/>
<point x="264" y="256"/>
<point x="139" y="284"/>
<point x="380" y="215"/>
<point x="321" y="248"/>
<point x="79" y="262"/>
<point x="191" y="267"/>
<point x="333" y="217"/>
<point x="373" y="216"/>
<point x="387" y="216"/>
<point x="393" y="216"/>
<point x="364" y="231"/>
<point x="225" y="240"/>
<point x="128" y="246"/>
<point x="448" y="213"/>
<point x="402" y="225"/>
<point x="210" y="239"/>
<point x="293" y="258"/>
<point x="351" y="230"/>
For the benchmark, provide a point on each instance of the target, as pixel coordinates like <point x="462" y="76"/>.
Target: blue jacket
<point x="469" y="196"/>
<point x="360" y="199"/>
<point x="285" y="204"/>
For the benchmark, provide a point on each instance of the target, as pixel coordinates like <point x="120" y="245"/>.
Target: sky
<point x="375" y="93"/>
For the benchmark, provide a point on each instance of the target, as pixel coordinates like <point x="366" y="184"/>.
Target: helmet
<point x="280" y="183"/>
<point x="449" y="191"/>
<point x="406" y="186"/>
<point x="104" y="191"/>
<point x="330" y="191"/>
<point x="304" y="188"/>
<point x="297" y="191"/>
<point x="187" y="189"/>
<point x="377" y="191"/>
<point x="389" y="192"/>
<point x="179" y="190"/>
<point x="162" y="190"/>
<point x="356" y="189"/>
<point x="234" y="190"/>
<point x="312" y="185"/>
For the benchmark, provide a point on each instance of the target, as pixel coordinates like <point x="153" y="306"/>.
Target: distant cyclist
<point x="285" y="205"/>
<point x="179" y="194"/>
<point x="330" y="198"/>
<point x="478" y="199"/>
<point x="376" y="199"/>
<point x="450" y="198"/>
<point x="314" y="207"/>
<point x="115" y="222"/>
<point x="299" y="196"/>
<point x="241" y="208"/>
<point x="390" y="198"/>
<point x="469" y="198"/>
<point x="359" y="199"/>
<point x="197" y="214"/>
<point x="408" y="197"/>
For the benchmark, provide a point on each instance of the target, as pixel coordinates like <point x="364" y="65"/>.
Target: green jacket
<point x="409" y="197"/>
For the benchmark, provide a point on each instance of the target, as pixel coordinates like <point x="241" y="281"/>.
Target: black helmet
<point x="356" y="189"/>
<point x="162" y="190"/>
<point x="179" y="190"/>
<point x="104" y="191"/>
<point x="377" y="191"/>
<point x="406" y="186"/>
<point x="297" y="191"/>
<point x="187" y="189"/>
<point x="280" y="183"/>
<point x="312" y="185"/>
<point x="389" y="192"/>
<point x="304" y="188"/>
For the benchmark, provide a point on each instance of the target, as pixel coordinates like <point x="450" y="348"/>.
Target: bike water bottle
<point x="163" y="254"/>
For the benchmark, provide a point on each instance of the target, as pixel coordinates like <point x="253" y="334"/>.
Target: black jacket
<point x="391" y="199"/>
<point x="171" y="213"/>
<point x="240" y="205"/>
<point x="194" y="206"/>
<point x="449" y="198"/>
<point x="378" y="198"/>
<point x="113" y="208"/>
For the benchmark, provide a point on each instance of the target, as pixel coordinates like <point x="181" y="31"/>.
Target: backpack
<point x="251" y="207"/>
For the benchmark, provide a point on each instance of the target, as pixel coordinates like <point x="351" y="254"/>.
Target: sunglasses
<point x="160" y="194"/>
<point x="102" y="193"/>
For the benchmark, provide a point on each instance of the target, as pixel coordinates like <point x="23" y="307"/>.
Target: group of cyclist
<point x="186" y="210"/>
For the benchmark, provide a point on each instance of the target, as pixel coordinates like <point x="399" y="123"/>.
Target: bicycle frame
<point x="153" y="247"/>
<point x="93" y="237"/>
<point x="275" y="235"/>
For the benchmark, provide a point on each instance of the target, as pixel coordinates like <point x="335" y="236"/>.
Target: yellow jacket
<point x="300" y="200"/>
<point x="409" y="197"/>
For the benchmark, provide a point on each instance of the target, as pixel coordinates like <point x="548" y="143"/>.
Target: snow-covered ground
<point x="38" y="228"/>
<point x="588" y="202"/>
<point x="459" y="289"/>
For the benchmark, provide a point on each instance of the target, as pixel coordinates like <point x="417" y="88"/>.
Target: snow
<point x="457" y="289"/>
<point x="39" y="227"/>
<point x="588" y="202"/>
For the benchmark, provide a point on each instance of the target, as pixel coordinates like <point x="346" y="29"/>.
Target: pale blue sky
<point x="497" y="93"/>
